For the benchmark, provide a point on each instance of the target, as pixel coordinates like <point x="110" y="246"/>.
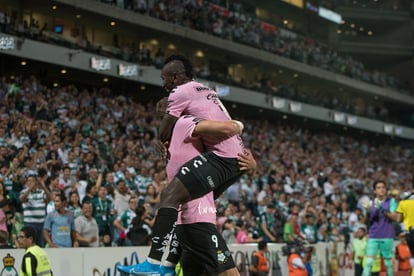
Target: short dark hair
<point x="29" y="232"/>
<point x="61" y="196"/>
<point x="188" y="66"/>
<point x="261" y="245"/>
<point x="377" y="182"/>
<point x="86" y="202"/>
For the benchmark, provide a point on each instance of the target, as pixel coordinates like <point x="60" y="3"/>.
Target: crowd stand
<point x="64" y="148"/>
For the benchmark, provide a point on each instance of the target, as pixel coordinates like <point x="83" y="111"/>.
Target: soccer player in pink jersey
<point x="197" y="233"/>
<point x="214" y="170"/>
<point x="204" y="249"/>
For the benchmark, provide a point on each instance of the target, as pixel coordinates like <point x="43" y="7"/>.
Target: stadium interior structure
<point x="285" y="67"/>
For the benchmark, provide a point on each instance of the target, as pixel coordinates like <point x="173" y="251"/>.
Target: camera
<point x="286" y="251"/>
<point x="292" y="247"/>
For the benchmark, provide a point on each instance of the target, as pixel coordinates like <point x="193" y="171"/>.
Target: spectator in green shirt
<point x="291" y="229"/>
<point x="359" y="245"/>
<point x="308" y="228"/>
<point x="266" y="221"/>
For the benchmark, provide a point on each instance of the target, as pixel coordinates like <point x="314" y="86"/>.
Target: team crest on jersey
<point x="221" y="257"/>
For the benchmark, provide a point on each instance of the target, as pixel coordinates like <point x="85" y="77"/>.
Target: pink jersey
<point x="193" y="98"/>
<point x="242" y="237"/>
<point x="183" y="147"/>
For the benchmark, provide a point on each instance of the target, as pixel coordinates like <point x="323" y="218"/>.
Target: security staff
<point x="260" y="264"/>
<point x="35" y="260"/>
<point x="405" y="214"/>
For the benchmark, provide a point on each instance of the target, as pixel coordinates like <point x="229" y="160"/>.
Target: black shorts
<point x="203" y="249"/>
<point x="209" y="172"/>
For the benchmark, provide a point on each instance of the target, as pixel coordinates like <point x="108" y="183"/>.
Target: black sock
<point x="161" y="231"/>
<point x="174" y="254"/>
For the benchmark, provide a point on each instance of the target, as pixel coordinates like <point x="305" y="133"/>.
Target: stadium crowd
<point x="232" y="22"/>
<point x="89" y="155"/>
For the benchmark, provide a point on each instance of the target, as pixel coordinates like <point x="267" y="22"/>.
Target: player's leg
<point x="207" y="247"/>
<point x="154" y="266"/>
<point x="174" y="255"/>
<point x="386" y="249"/>
<point x="189" y="265"/>
<point x="371" y="254"/>
<point x="196" y="178"/>
<point x="410" y="242"/>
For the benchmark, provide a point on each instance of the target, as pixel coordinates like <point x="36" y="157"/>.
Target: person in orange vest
<point x="296" y="264"/>
<point x="405" y="215"/>
<point x="260" y="264"/>
<point x="403" y="254"/>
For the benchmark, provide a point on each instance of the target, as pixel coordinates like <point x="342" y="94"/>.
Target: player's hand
<point x="367" y="204"/>
<point x="246" y="161"/>
<point x="383" y="211"/>
<point x="239" y="126"/>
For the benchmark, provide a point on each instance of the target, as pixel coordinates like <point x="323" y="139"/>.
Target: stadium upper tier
<point x="246" y="29"/>
<point x="213" y="19"/>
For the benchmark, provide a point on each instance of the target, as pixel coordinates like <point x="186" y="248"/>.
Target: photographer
<point x="296" y="264"/>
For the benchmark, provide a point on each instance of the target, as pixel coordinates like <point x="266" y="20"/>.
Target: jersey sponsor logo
<point x="211" y="182"/>
<point x="212" y="97"/>
<point x="201" y="88"/>
<point x="205" y="209"/>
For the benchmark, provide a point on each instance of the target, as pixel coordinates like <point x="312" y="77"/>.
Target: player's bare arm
<point x="221" y="129"/>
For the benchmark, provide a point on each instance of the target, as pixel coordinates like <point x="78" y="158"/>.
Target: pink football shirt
<point x="183" y="147"/>
<point x="193" y="98"/>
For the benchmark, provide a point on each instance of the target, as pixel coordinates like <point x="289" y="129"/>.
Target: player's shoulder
<point x="193" y="86"/>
